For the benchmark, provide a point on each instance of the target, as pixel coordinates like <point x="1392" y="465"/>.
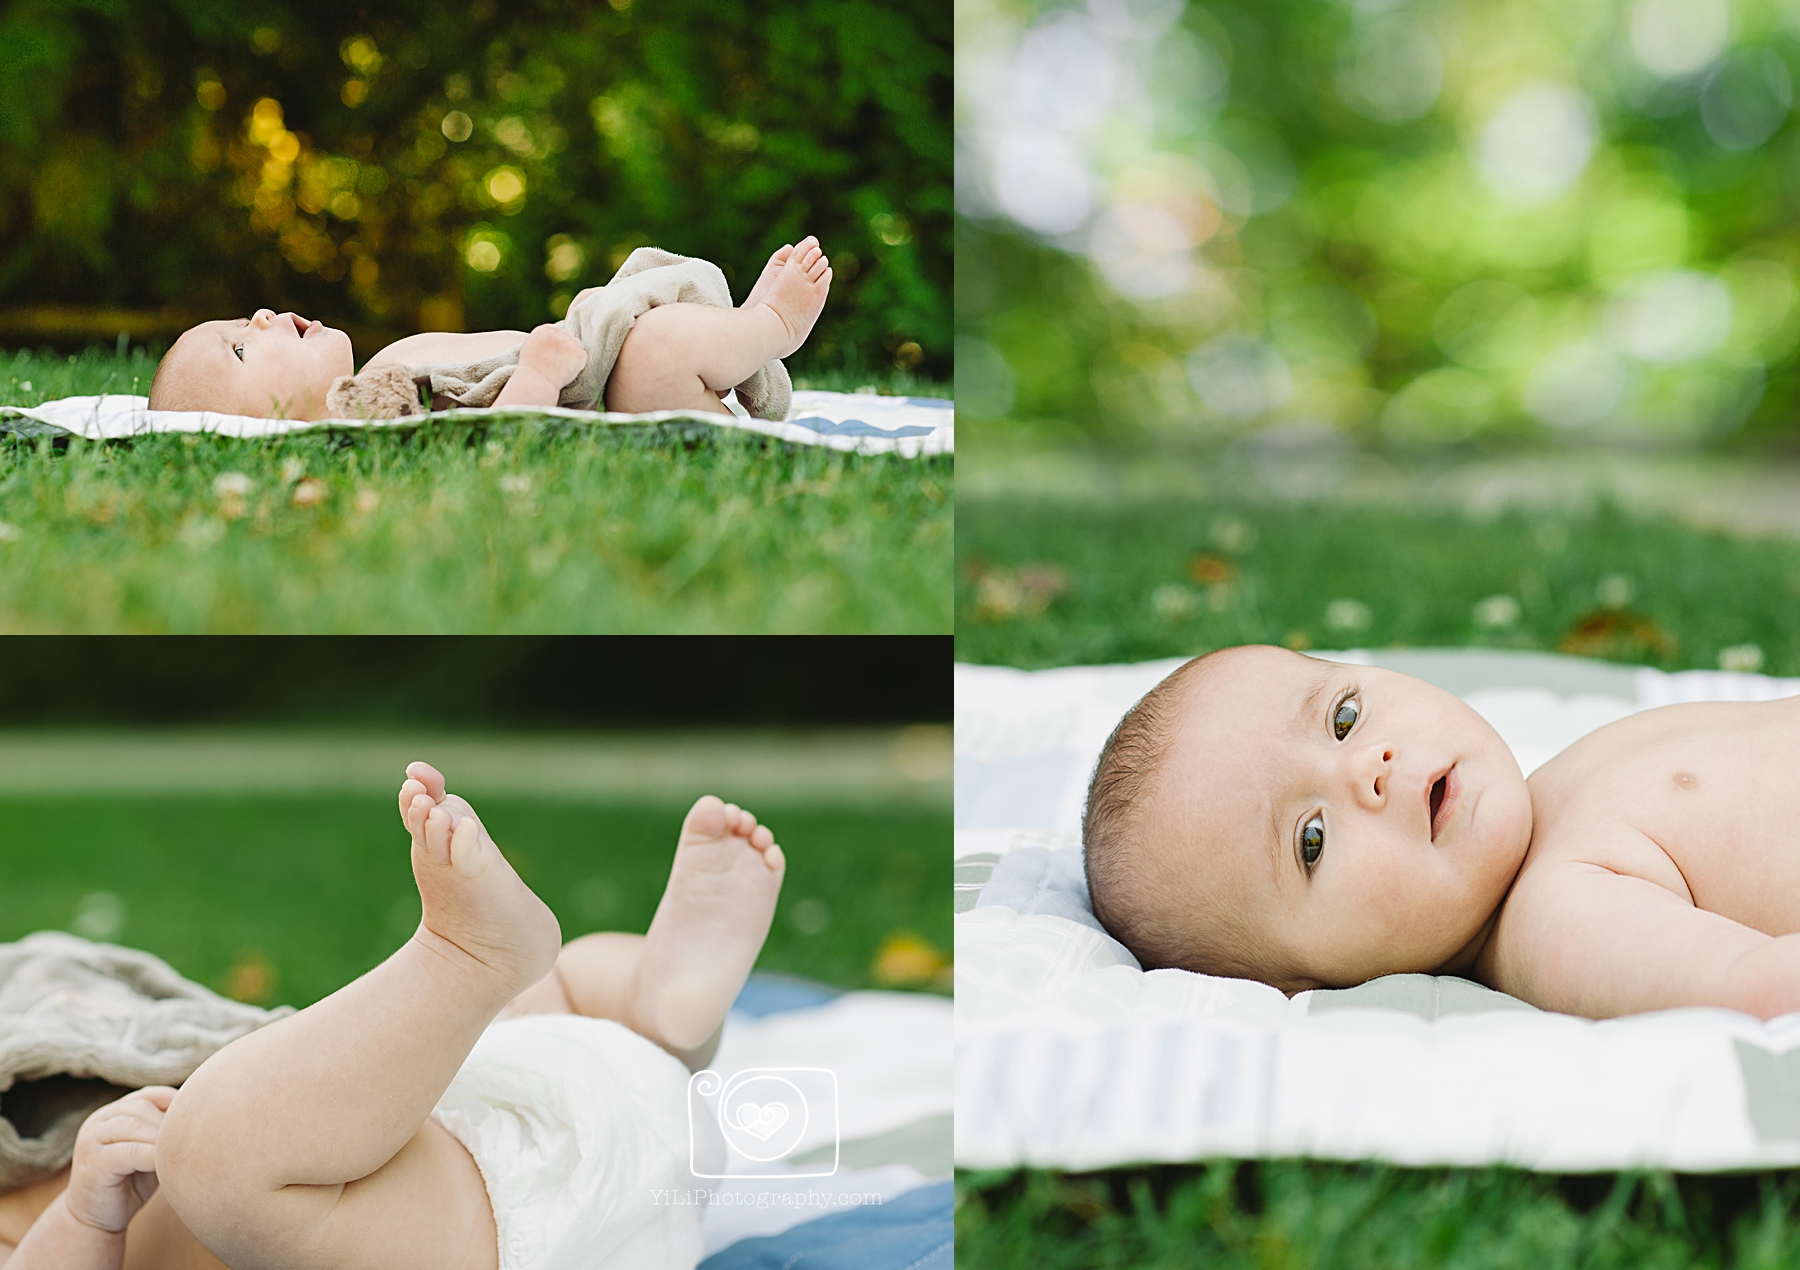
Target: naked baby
<point x="613" y="348"/>
<point x="1268" y="815"/>
<point x="389" y="1126"/>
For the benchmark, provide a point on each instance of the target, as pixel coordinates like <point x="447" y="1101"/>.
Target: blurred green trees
<point x="414" y="165"/>
<point x="1404" y="221"/>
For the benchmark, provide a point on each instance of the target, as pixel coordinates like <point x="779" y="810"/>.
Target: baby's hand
<point x="114" y="1171"/>
<point x="553" y="353"/>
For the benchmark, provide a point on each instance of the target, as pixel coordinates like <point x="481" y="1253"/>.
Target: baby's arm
<point x="549" y="358"/>
<point x="1584" y="939"/>
<point x="114" y="1173"/>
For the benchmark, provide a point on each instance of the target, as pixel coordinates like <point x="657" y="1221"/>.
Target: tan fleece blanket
<point x="648" y="277"/>
<point x="83" y="1023"/>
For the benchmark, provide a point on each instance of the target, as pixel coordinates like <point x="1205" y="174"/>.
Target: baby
<point x="679" y="356"/>
<point x="1267" y="815"/>
<point x="327" y="1139"/>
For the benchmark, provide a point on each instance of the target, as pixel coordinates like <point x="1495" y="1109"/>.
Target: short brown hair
<point x="171" y="390"/>
<point x="1131" y="886"/>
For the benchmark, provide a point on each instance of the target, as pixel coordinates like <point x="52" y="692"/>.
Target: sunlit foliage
<point x="467" y="166"/>
<point x="1412" y="221"/>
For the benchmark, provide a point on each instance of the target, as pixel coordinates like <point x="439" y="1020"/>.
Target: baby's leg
<point x="682" y="356"/>
<point x="307" y="1143"/>
<point x="675" y="984"/>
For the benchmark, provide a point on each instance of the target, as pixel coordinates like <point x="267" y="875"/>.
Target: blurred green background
<point x="412" y="166"/>
<point x="230" y="804"/>
<point x="1377" y="223"/>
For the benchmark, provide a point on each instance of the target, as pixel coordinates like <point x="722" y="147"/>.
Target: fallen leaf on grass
<point x="905" y="959"/>
<point x="1022" y="592"/>
<point x="1618" y="634"/>
<point x="1207" y="570"/>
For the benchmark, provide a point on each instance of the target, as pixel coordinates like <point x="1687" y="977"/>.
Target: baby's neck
<point x="1468" y="961"/>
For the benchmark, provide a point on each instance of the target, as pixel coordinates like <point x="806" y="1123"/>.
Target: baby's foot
<point x="472" y="898"/>
<point x="709" y="927"/>
<point x="797" y="292"/>
<point x="767" y="278"/>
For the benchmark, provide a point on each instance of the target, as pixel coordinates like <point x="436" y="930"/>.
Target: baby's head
<point x="269" y="366"/>
<point x="1271" y="816"/>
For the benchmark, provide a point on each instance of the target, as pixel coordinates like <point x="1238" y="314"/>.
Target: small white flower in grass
<point x="200" y="532"/>
<point x="1744" y="658"/>
<point x="1497" y="611"/>
<point x="518" y="484"/>
<point x="1615" y="590"/>
<point x="367" y="500"/>
<point x="292" y="469"/>
<point x="231" y="489"/>
<point x="9" y="533"/>
<point x="1174" y="600"/>
<point x="26" y="386"/>
<point x="1347" y="615"/>
<point x="309" y="492"/>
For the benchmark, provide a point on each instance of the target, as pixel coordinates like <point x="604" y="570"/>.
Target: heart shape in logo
<point x="761" y="1121"/>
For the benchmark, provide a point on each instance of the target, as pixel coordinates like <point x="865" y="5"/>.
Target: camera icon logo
<point x="751" y="1123"/>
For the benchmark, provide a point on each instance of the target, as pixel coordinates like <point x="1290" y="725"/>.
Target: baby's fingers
<point x="127" y="1156"/>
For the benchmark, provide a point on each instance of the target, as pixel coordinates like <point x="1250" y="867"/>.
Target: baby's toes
<point x="707" y="818"/>
<point x="465" y="843"/>
<point x="409" y="790"/>
<point x="440" y="823"/>
<point x="429" y="777"/>
<point x="761" y="838"/>
<point x="415" y="815"/>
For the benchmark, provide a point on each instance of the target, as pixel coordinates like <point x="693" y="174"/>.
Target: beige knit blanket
<point x="648" y="277"/>
<point x="82" y="1024"/>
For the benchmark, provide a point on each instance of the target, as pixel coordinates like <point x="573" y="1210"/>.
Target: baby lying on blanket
<point x="613" y="347"/>
<point x="1267" y="815"/>
<point x="389" y="1127"/>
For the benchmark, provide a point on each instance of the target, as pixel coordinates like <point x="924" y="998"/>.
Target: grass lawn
<point x="1044" y="582"/>
<point x="519" y="525"/>
<point x="287" y="899"/>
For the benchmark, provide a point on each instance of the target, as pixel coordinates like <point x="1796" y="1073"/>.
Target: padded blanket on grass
<point x="887" y="1205"/>
<point x="863" y="423"/>
<point x="1069" y="1055"/>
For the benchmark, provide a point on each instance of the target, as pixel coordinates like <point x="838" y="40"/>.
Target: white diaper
<point x="575" y="1123"/>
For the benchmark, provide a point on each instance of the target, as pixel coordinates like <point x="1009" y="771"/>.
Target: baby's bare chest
<point x="440" y="348"/>
<point x="1701" y="799"/>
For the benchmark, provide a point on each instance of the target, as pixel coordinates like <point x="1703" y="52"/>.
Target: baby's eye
<point x="1312" y="840"/>
<point x="1345" y="717"/>
<point x="239" y="350"/>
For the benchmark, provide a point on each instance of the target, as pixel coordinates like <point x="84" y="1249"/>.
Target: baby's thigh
<point x="425" y="1209"/>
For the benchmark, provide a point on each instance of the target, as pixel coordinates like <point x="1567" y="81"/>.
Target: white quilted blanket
<point x="1067" y="1057"/>
<point x="859" y="422"/>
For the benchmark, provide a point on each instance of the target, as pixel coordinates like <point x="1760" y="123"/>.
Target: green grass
<point x="1057" y="581"/>
<point x="516" y="525"/>
<point x="317" y="890"/>
<point x="1043" y="583"/>
<point x="1282" y="1214"/>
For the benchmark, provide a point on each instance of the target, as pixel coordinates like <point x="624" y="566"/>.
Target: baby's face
<point x="270" y="365"/>
<point x="1363" y="821"/>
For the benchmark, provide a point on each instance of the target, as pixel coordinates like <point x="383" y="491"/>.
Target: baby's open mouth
<point x="1440" y="796"/>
